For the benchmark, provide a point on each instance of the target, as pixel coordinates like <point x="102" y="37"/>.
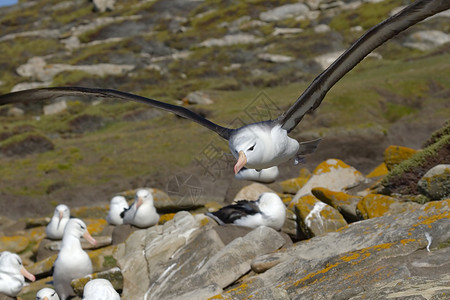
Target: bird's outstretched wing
<point x="55" y="92"/>
<point x="377" y="35"/>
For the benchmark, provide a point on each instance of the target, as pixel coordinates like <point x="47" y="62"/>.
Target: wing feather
<point x="377" y="35"/>
<point x="55" y="92"/>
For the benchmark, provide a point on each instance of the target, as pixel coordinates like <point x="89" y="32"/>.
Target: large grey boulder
<point x="370" y="255"/>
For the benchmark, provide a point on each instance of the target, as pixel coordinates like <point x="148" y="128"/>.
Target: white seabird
<point x="269" y="210"/>
<point x="142" y="212"/>
<point x="266" y="144"/>
<point x="100" y="289"/>
<point x="117" y="206"/>
<point x="55" y="229"/>
<point x="72" y="261"/>
<point x="12" y="274"/>
<point x="47" y="294"/>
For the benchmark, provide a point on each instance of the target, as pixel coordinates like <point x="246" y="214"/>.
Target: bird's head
<point x="76" y="227"/>
<point x="143" y="196"/>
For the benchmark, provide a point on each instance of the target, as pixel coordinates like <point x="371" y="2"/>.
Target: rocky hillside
<point x="367" y="213"/>
<point x="241" y="61"/>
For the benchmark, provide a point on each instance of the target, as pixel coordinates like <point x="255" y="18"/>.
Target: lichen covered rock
<point x="315" y="218"/>
<point x="435" y="184"/>
<point x="394" y="155"/>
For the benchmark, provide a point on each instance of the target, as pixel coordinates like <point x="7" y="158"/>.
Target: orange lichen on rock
<point x="374" y="205"/>
<point x="96" y="226"/>
<point x="14" y="244"/>
<point x="379" y="171"/>
<point x="393" y="155"/>
<point x="165" y="217"/>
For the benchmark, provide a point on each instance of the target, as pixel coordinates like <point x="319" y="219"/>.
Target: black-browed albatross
<point x="265" y="144"/>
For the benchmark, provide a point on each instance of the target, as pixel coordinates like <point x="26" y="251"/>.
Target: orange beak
<point x="60" y="218"/>
<point x="242" y="160"/>
<point x="88" y="237"/>
<point x="139" y="202"/>
<point x="27" y="274"/>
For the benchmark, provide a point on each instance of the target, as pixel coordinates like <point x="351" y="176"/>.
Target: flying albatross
<point x="266" y="144"/>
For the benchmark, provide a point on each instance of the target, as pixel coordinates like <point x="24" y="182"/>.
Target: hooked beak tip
<point x="242" y="160"/>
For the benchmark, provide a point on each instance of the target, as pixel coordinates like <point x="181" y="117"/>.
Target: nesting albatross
<point x="266" y="144"/>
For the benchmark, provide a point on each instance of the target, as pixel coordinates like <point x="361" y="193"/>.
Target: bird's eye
<point x="251" y="148"/>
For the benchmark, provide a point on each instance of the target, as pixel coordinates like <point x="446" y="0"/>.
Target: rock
<point x="232" y="39"/>
<point x="325" y="60"/>
<point x="343" y="202"/>
<point x="374" y="205"/>
<point x="380" y="171"/>
<point x="284" y="12"/>
<point x="55" y="108"/>
<point x="275" y="58"/>
<point x="121" y="233"/>
<point x="427" y="40"/>
<point x="197" y="97"/>
<point x="371" y="255"/>
<point x="30" y="85"/>
<point x="44" y="33"/>
<point x="37" y="68"/>
<point x="286" y="31"/>
<point x="104" y="5"/>
<point x="291" y="186"/>
<point x="315" y="218"/>
<point x="322" y="28"/>
<point x="235" y="257"/>
<point x="435" y="184"/>
<point x="15" y="112"/>
<point x="43" y="267"/>
<point x="15" y="244"/>
<point x="155" y="248"/>
<point x="252" y="192"/>
<point x="393" y="155"/>
<point x="332" y="174"/>
<point x="102" y="259"/>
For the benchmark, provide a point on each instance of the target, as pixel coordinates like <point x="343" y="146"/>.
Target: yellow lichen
<point x="165" y="217"/>
<point x="393" y="155"/>
<point x="380" y="170"/>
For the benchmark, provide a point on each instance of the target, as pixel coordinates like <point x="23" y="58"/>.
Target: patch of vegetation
<point x="67" y="78"/>
<point x="26" y="143"/>
<point x="73" y="14"/>
<point x="439" y="134"/>
<point x="404" y="177"/>
<point x="396" y="111"/>
<point x="366" y="15"/>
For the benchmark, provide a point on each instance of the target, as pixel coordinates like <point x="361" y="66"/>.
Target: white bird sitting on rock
<point x="118" y="205"/>
<point x="269" y="210"/>
<point x="72" y="261"/>
<point x="55" y="229"/>
<point x="142" y="213"/>
<point x="266" y="144"/>
<point x="12" y="274"/>
<point x="100" y="289"/>
<point x="47" y="294"/>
